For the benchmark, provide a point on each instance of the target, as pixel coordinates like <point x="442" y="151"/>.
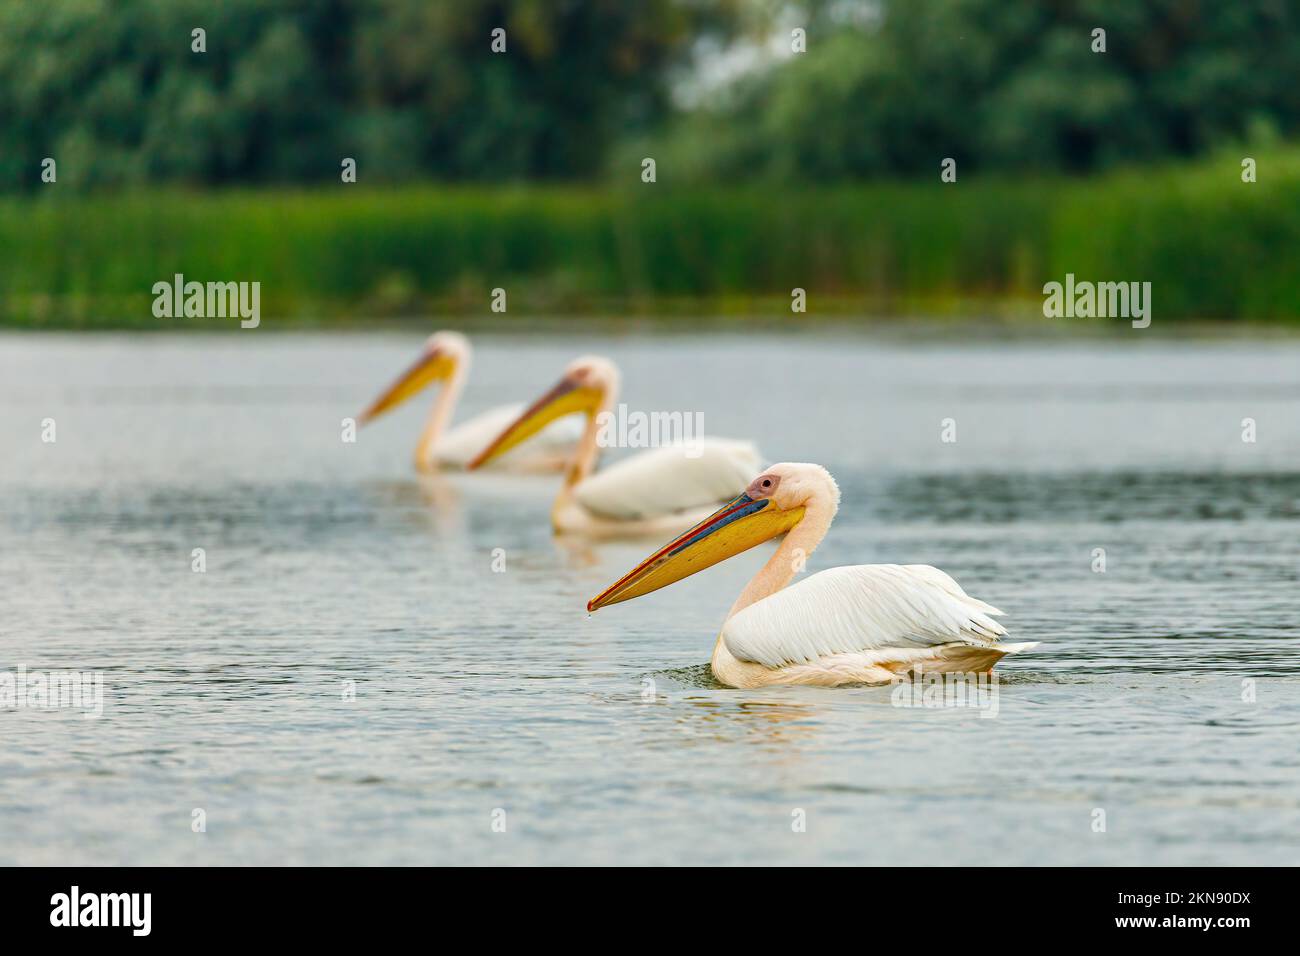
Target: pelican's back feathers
<point x="667" y="480"/>
<point x="860" y="608"/>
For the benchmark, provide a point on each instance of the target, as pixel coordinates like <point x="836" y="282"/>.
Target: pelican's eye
<point x="763" y="486"/>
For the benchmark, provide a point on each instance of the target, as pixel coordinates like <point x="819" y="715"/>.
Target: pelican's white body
<point x="658" y="491"/>
<point x="662" y="490"/>
<point x="861" y="624"/>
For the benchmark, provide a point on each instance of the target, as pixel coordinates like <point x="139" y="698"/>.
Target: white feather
<point x="460" y="444"/>
<point x="668" y="480"/>
<point x="861" y="608"/>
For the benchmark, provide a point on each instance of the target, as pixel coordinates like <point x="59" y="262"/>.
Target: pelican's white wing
<point x="460" y="444"/>
<point x="862" y="608"/>
<point x="667" y="480"/>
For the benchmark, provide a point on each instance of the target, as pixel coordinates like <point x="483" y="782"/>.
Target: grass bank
<point x="1212" y="247"/>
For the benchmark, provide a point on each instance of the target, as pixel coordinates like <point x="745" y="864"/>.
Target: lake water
<point x="1165" y="694"/>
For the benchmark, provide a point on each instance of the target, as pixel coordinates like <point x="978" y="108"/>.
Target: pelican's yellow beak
<point x="737" y="526"/>
<point x="564" y="399"/>
<point x="433" y="366"/>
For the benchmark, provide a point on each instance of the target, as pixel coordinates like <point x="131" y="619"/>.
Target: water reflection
<point x="769" y="723"/>
<point x="477" y="688"/>
<point x="578" y="552"/>
<point x="432" y="498"/>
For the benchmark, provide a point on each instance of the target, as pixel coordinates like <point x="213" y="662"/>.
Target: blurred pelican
<point x="446" y="358"/>
<point x="864" y="624"/>
<point x="653" y="492"/>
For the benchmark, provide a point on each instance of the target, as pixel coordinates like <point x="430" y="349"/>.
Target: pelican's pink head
<point x="444" y="354"/>
<point x="773" y="503"/>
<point x="584" y="387"/>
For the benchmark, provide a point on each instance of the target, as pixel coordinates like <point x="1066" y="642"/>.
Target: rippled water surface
<point x="1166" y="692"/>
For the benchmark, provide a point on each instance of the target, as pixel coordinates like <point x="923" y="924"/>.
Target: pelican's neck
<point x="587" y="450"/>
<point x="798" y="546"/>
<point x="439" y="416"/>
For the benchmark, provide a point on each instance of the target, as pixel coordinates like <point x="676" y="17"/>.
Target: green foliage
<point x="413" y="91"/>
<point x="1211" y="245"/>
<point x="1004" y="85"/>
<point x="286" y="88"/>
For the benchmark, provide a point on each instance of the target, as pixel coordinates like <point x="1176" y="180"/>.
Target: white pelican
<point x="864" y="624"/>
<point x="446" y="358"/>
<point x="654" y="492"/>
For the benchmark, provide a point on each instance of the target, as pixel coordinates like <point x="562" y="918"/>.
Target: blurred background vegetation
<point x="522" y="169"/>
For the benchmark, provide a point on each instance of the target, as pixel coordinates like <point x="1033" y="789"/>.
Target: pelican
<point x="864" y="624"/>
<point x="446" y="358"/>
<point x="660" y="491"/>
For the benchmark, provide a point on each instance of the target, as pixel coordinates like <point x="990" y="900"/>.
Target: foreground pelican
<point x="654" y="492"/>
<point x="446" y="358"/>
<point x="864" y="624"/>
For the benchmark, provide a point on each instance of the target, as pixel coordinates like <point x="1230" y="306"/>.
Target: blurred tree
<point x="286" y="88"/>
<point x="412" y="89"/>
<point x="891" y="87"/>
<point x="575" y="76"/>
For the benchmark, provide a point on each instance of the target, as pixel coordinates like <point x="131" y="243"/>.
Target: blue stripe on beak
<point x="750" y="507"/>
